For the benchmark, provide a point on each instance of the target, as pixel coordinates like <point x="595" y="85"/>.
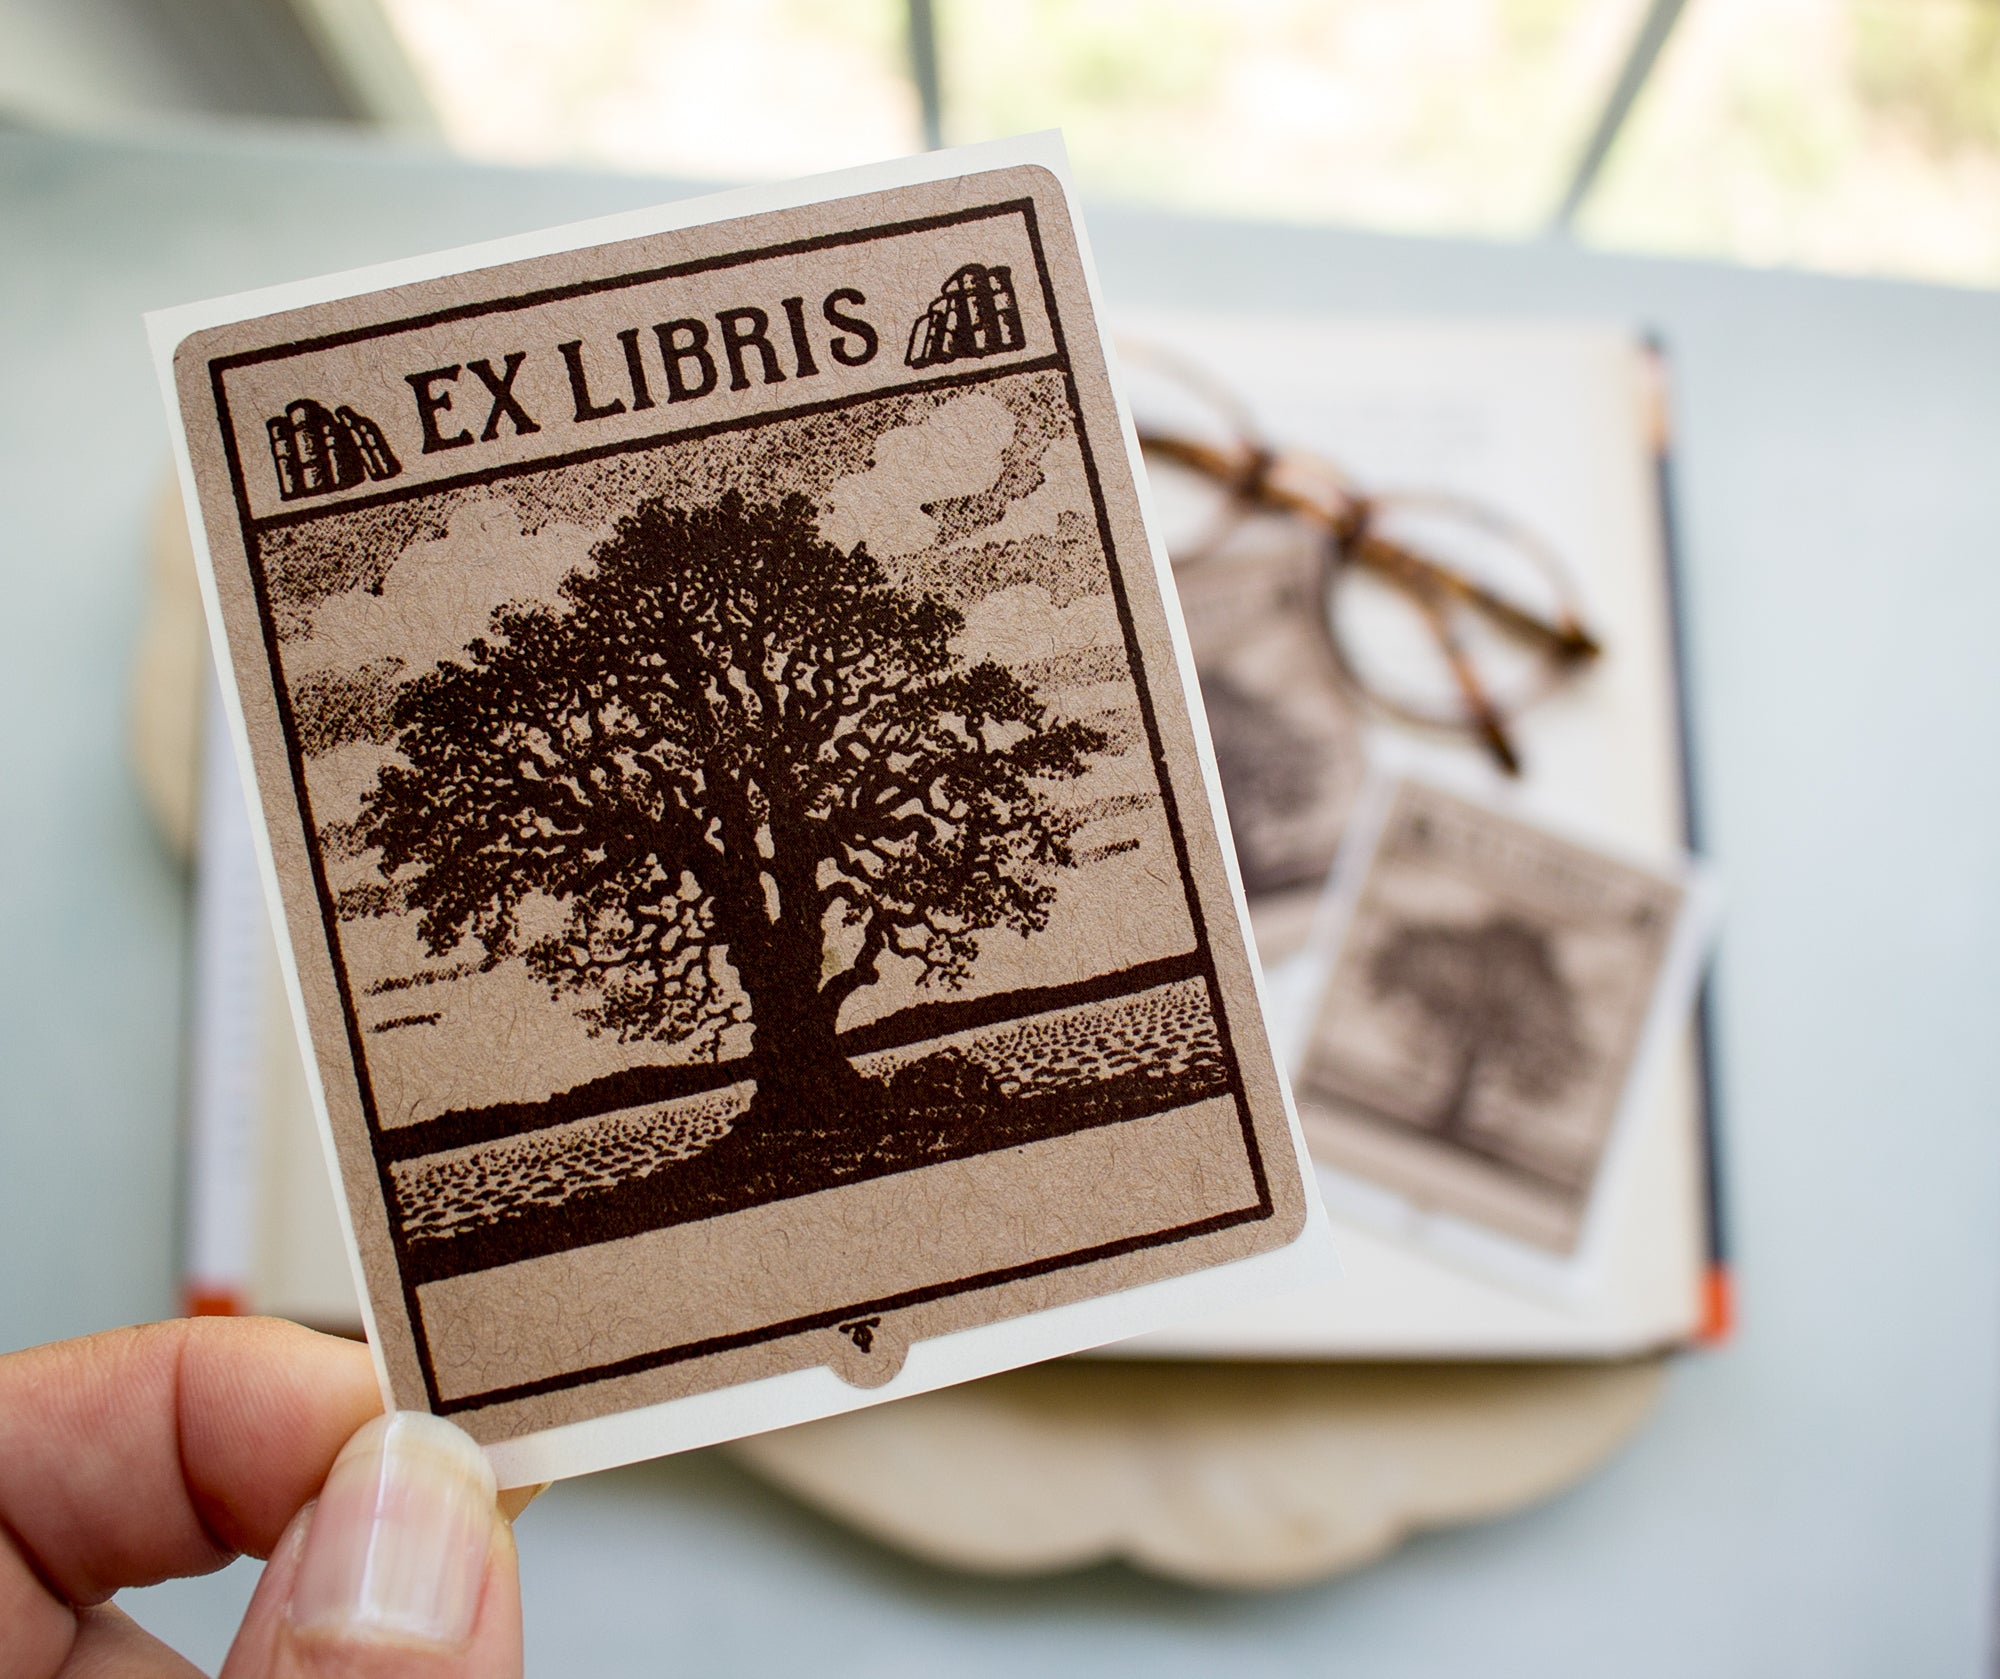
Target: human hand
<point x="145" y="1454"/>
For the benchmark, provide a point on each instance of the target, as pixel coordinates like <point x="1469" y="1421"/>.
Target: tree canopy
<point x="749" y="770"/>
<point x="1493" y="994"/>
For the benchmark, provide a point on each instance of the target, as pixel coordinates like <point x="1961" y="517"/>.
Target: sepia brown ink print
<point x="1487" y="1001"/>
<point x="736" y="810"/>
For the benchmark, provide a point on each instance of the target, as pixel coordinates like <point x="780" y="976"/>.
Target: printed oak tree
<point x="1494" y="998"/>
<point x="1269" y="772"/>
<point x="747" y="769"/>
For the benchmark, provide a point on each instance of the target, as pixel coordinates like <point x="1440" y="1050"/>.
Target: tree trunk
<point x="1454" y="1115"/>
<point x="803" y="1078"/>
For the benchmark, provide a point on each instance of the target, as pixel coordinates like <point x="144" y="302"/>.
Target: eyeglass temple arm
<point x="1246" y="473"/>
<point x="1566" y="638"/>
<point x="1485" y="717"/>
<point x="1242" y="470"/>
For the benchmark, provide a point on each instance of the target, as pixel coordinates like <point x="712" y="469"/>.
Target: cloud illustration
<point x="440" y="593"/>
<point x="955" y="451"/>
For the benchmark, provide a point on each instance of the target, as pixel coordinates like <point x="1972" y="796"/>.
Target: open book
<point x="1557" y="426"/>
<point x="1560" y="430"/>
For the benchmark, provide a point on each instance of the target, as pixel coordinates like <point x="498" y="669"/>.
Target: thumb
<point x="403" y="1567"/>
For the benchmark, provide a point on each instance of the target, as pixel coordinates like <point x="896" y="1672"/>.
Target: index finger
<point x="142" y="1454"/>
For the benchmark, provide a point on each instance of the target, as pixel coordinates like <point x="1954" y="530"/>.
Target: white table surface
<point x="1818" y="1499"/>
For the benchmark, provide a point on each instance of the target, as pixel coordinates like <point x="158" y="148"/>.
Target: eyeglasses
<point x="1437" y="610"/>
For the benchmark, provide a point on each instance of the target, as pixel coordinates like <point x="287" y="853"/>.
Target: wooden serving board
<point x="1237" y="1475"/>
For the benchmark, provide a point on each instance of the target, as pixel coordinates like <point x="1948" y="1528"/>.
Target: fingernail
<point x="398" y="1543"/>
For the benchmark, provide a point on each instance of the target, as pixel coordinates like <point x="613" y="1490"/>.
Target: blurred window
<point x="1845" y="134"/>
<point x="1861" y="135"/>
<point x="1434" y="115"/>
<point x="721" y="90"/>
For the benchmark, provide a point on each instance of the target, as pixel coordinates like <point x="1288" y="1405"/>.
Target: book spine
<point x="225" y="1047"/>
<point x="1718" y="1305"/>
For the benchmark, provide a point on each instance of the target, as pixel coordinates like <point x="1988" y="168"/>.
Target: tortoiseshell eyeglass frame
<point x="1255" y="478"/>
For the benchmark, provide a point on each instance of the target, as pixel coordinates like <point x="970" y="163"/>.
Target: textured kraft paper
<point x="750" y="871"/>
<point x="1494" y="990"/>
